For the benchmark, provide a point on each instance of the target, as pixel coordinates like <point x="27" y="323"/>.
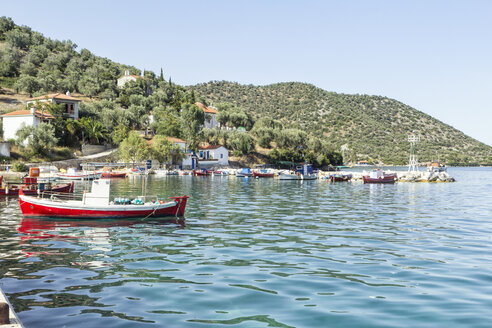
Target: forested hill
<point x="372" y="127"/>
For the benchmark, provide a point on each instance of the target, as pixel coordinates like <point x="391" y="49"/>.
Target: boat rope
<point x="151" y="213"/>
<point x="179" y="205"/>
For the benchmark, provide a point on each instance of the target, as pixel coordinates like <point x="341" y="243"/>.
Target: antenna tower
<point x="413" y="163"/>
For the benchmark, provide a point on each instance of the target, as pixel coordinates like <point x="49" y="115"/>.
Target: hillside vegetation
<point x="372" y="127"/>
<point x="283" y="122"/>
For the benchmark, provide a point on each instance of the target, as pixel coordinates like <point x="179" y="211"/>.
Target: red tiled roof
<point x="28" y="113"/>
<point x="172" y="139"/>
<point x="55" y="96"/>
<point x="206" y="109"/>
<point x="210" y="147"/>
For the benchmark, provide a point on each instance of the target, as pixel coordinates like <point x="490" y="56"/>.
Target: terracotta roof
<point x="172" y="139"/>
<point x="55" y="96"/>
<point x="28" y="113"/>
<point x="132" y="75"/>
<point x="210" y="147"/>
<point x="206" y="109"/>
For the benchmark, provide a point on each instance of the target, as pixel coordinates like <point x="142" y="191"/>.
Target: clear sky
<point x="432" y="55"/>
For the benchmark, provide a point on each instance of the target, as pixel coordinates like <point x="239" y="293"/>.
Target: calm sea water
<point x="262" y="253"/>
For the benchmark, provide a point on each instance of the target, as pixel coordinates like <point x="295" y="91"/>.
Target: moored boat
<point x="32" y="187"/>
<point x="244" y="173"/>
<point x="378" y="176"/>
<point x="113" y="175"/>
<point x="263" y="173"/>
<point x="97" y="204"/>
<point x="339" y="177"/>
<point x="202" y="172"/>
<point x="74" y="174"/>
<point x="220" y="173"/>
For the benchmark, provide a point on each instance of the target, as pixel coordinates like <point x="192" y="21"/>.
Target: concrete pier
<point x="8" y="318"/>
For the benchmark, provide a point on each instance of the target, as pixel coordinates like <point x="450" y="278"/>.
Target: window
<point x="221" y="156"/>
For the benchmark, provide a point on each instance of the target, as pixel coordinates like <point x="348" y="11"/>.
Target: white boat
<point x="164" y="172"/>
<point x="74" y="174"/>
<point x="288" y="175"/>
<point x="303" y="172"/>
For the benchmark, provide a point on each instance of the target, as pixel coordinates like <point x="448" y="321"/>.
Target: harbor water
<point x="261" y="253"/>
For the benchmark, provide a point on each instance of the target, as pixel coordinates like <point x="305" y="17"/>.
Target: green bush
<point x="19" y="167"/>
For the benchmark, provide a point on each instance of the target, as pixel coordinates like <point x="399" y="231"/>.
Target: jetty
<point x="8" y="318"/>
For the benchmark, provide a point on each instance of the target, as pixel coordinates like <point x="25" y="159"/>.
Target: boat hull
<point x="36" y="207"/>
<point x="385" y="179"/>
<point x="66" y="188"/>
<point x="262" y="175"/>
<point x="113" y="175"/>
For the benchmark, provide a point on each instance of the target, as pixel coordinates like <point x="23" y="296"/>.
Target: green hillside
<point x="306" y="120"/>
<point x="372" y="127"/>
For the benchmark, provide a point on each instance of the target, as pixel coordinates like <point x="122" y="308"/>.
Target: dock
<point x="11" y="320"/>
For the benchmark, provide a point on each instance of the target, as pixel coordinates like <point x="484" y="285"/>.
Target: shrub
<point x="19" y="167"/>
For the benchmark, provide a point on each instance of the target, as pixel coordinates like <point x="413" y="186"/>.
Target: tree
<point x="164" y="150"/>
<point x="167" y="123"/>
<point x="242" y="142"/>
<point x="6" y="24"/>
<point x="40" y="140"/>
<point x="134" y="148"/>
<point x="18" y="38"/>
<point x="95" y="131"/>
<point x="192" y="119"/>
<point x="28" y="84"/>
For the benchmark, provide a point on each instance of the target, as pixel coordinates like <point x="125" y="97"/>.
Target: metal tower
<point x="413" y="163"/>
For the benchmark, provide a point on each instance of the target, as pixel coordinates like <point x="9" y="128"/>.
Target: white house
<point x="13" y="121"/>
<point x="70" y="104"/>
<point x="121" y="81"/>
<point x="213" y="155"/>
<point x="210" y="116"/>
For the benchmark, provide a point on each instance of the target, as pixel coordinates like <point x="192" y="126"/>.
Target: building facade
<point x="14" y="121"/>
<point x="213" y="156"/>
<point x="69" y="103"/>
<point x="210" y="116"/>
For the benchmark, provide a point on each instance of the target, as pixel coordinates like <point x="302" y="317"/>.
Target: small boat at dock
<point x="74" y="174"/>
<point x="202" y="172"/>
<point x="244" y="173"/>
<point x="31" y="186"/>
<point x="113" y="175"/>
<point x="339" y="177"/>
<point x="263" y="173"/>
<point x="97" y="204"/>
<point x="379" y="176"/>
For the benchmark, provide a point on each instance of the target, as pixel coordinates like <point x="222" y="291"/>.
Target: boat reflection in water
<point x="96" y="233"/>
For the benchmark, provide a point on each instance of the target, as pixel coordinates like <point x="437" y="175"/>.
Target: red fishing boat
<point x="96" y="204"/>
<point x="339" y="177"/>
<point x="263" y="174"/>
<point x="32" y="187"/>
<point x="378" y="176"/>
<point x="201" y="172"/>
<point x="113" y="175"/>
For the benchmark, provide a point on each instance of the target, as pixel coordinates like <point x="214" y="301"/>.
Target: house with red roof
<point x="70" y="104"/>
<point x="13" y="121"/>
<point x="210" y="116"/>
<point x="36" y="113"/>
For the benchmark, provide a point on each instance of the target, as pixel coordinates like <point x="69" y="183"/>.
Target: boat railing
<point x="61" y="196"/>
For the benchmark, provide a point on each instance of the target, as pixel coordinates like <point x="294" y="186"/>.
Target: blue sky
<point x="432" y="55"/>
